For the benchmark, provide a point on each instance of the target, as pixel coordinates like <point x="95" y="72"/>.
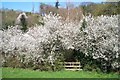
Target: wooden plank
<point x="73" y="69"/>
<point x="71" y="62"/>
<point x="72" y="66"/>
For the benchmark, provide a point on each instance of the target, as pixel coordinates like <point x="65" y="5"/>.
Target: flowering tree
<point x="46" y="43"/>
<point x="101" y="40"/>
<point x="22" y="20"/>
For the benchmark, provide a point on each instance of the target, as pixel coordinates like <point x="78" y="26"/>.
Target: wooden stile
<point x="74" y="66"/>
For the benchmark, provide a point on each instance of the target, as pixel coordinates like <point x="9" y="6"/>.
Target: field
<point x="27" y="73"/>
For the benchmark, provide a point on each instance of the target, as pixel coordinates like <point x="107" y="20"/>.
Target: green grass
<point x="27" y="73"/>
<point x="0" y="73"/>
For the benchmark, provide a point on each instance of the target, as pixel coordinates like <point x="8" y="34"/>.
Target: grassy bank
<point x="26" y="73"/>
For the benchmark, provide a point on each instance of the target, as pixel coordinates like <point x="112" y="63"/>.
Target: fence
<point x="72" y="66"/>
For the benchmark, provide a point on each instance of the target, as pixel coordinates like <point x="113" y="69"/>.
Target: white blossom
<point x="101" y="37"/>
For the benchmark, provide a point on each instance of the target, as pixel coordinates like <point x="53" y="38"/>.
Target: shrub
<point x="43" y="46"/>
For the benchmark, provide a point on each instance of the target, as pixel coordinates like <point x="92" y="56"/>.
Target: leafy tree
<point x="44" y="44"/>
<point x="23" y="23"/>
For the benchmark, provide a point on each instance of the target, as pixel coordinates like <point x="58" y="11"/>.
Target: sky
<point x="28" y="5"/>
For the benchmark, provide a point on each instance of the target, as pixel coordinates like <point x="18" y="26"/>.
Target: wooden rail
<point x="72" y="66"/>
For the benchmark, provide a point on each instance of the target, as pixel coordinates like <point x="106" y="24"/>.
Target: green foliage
<point x="9" y="18"/>
<point x="88" y="67"/>
<point x="14" y="62"/>
<point x="23" y="23"/>
<point x="58" y="65"/>
<point x="84" y="25"/>
<point x="106" y="8"/>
